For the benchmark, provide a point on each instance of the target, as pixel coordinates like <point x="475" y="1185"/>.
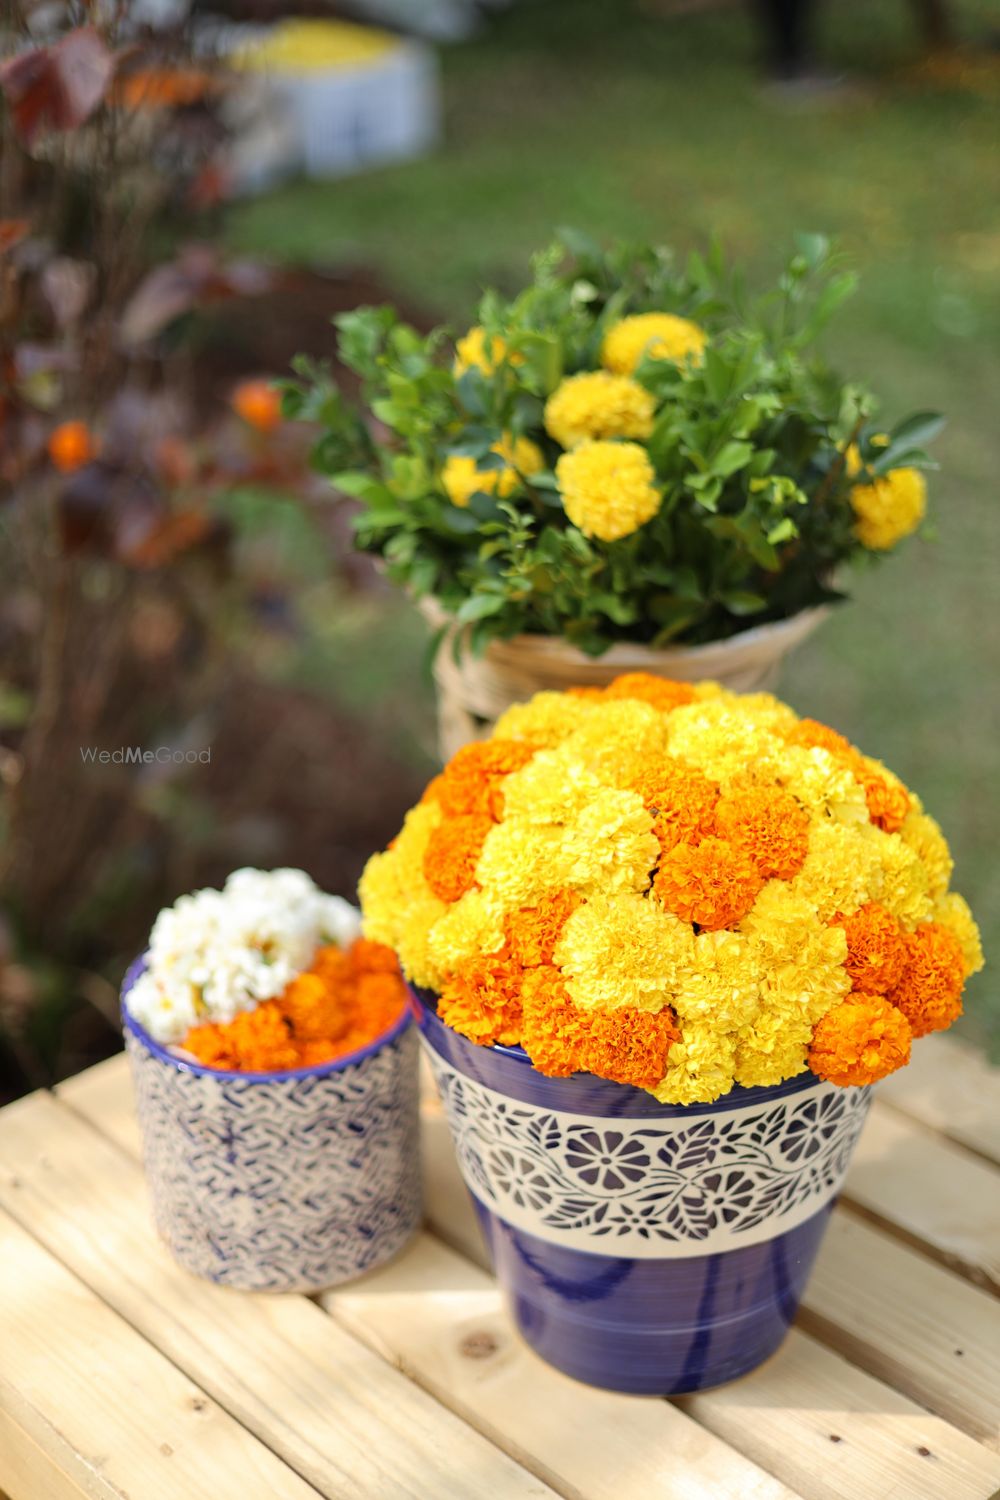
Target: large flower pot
<point x="644" y="1247"/>
<point x="473" y="691"/>
<point x="286" y="1181"/>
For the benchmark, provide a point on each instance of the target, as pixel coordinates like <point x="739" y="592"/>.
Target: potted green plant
<point x="630" y="465"/>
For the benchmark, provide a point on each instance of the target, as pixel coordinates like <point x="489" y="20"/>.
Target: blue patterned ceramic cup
<point x="281" y="1182"/>
<point x="644" y="1247"/>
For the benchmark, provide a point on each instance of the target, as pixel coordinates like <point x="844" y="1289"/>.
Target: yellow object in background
<point x="315" y="46"/>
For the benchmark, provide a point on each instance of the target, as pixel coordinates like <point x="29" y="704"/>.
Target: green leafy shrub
<point x="745" y="471"/>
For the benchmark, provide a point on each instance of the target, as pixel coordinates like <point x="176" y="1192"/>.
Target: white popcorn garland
<point x="214" y="954"/>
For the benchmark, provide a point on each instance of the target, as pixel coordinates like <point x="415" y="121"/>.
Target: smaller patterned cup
<point x="281" y="1182"/>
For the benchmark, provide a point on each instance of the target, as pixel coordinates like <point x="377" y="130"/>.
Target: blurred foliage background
<point x="625" y="117"/>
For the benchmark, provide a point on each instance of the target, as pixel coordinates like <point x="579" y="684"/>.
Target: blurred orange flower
<point x="258" y="403"/>
<point x="71" y="445"/>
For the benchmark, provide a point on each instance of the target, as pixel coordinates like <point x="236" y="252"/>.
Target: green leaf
<point x="731" y="457"/>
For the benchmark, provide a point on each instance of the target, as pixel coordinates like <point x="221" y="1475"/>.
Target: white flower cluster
<point x="216" y="953"/>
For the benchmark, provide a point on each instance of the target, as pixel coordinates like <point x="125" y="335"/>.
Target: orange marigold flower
<point x="258" y="403"/>
<point x="712" y="884"/>
<point x="681" y="801"/>
<point x="367" y="957"/>
<point x="859" y="1041"/>
<point x="769" y="824"/>
<point x="71" y="445"/>
<point x="660" y="692"/>
<point x="482" y="1000"/>
<point x="452" y="854"/>
<point x="888" y="800"/>
<point x="472" y="780"/>
<point x="876" y="950"/>
<point x="812" y="735"/>
<point x="533" y="931"/>
<point x="929" y="991"/>
<point x="344" y="1001"/>
<point x="626" y="1046"/>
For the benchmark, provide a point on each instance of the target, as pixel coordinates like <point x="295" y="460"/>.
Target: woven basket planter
<point x="474" y="691"/>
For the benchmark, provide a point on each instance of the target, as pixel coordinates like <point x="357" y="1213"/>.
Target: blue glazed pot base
<point x="652" y="1328"/>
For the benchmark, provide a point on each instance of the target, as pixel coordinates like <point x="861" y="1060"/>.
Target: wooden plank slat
<point x="936" y="1195"/>
<point x="951" y="1087"/>
<point x="88" y="1407"/>
<point x="898" y="1315"/>
<point x="336" y="1413"/>
<point x="607" y="1430"/>
<point x="838" y="1434"/>
<point x="441" y="1319"/>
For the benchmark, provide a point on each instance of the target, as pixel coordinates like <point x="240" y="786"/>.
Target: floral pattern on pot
<point x="282" y="1182"/>
<point x="648" y="1189"/>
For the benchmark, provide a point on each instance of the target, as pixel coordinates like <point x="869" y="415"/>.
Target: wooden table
<point x="120" y="1375"/>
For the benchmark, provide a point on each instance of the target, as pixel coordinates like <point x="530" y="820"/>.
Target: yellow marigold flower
<point x="548" y="719"/>
<point x="521" y="863"/>
<point x="617" y="741"/>
<point x="720" y="988"/>
<point x="462" y="478"/>
<point x="473" y="925"/>
<point x="760" y="1066"/>
<point x="889" y="508"/>
<point x="553" y="787"/>
<point x="842" y="869"/>
<point x="623" y="951"/>
<point x="901" y="883"/>
<point x="598" y="405"/>
<point x="952" y="911"/>
<point x="608" y="489"/>
<point x="610" y="845"/>
<point x="824" y="786"/>
<point x="658" y="335"/>
<point x="399" y="907"/>
<point x="699" y="1067"/>
<point x="476" y="350"/>
<point x="923" y="835"/>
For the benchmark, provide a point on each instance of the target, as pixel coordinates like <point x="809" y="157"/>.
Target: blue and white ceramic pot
<point x="644" y="1247"/>
<point x="281" y="1182"/>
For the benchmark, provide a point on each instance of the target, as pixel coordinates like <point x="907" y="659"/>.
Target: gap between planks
<point x="889" y="1345"/>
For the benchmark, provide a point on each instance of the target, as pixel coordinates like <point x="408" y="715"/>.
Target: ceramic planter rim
<point x="279" y="1075"/>
<point x="425" y="1001"/>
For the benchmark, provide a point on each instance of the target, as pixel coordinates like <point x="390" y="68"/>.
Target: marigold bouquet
<point x="630" y="449"/>
<point x="676" y="887"/>
<point x="266" y="975"/>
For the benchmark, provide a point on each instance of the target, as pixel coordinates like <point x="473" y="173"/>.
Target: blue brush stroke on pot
<point x="645" y="1326"/>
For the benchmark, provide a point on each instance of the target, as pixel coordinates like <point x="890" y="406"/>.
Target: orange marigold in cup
<point x="876" y="948"/>
<point x="712" y="884"/>
<point x="71" y="445"/>
<point x="860" y="1041"/>
<point x="343" y="1001"/>
<point x="561" y="1037"/>
<point x="482" y="1000"/>
<point x="929" y="990"/>
<point x="258" y="402"/>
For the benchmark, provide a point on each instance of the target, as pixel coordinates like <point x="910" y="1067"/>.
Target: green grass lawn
<point x="586" y="112"/>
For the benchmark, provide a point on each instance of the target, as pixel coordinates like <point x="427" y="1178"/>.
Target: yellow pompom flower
<point x="598" y="405"/>
<point x="477" y="350"/>
<point x="889" y="508"/>
<point x="656" y="335"/>
<point x="622" y="951"/>
<point x="608" y="489"/>
<point x="923" y="835"/>
<point x="462" y="478"/>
